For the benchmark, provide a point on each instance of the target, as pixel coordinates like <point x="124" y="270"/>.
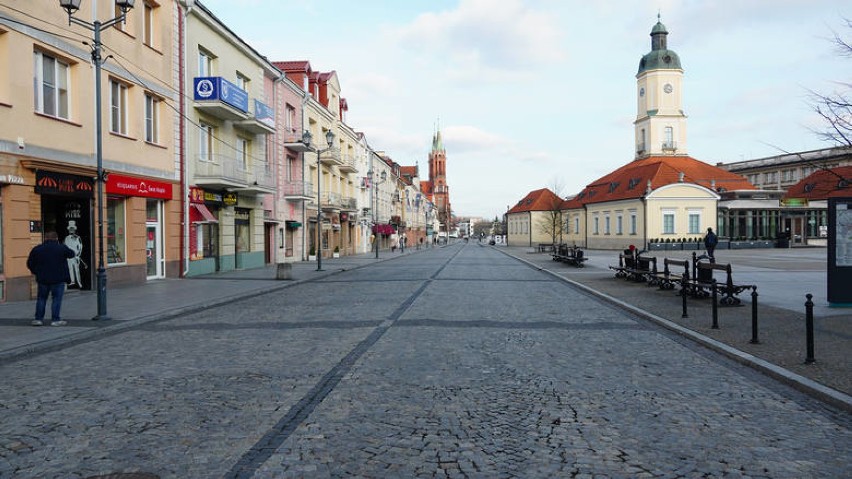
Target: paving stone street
<point x="454" y="362"/>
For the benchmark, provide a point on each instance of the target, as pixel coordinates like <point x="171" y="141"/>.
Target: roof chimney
<point x="680" y="177"/>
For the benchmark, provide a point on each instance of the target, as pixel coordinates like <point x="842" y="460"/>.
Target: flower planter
<point x="312" y="257"/>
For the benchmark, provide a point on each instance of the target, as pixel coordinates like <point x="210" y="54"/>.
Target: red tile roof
<point x="631" y="180"/>
<point x="293" y="66"/>
<point x="822" y="184"/>
<point x="538" y="200"/>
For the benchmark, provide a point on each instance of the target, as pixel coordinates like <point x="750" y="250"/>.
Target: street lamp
<point x="71" y="6"/>
<point x="306" y="139"/>
<point x="376" y="184"/>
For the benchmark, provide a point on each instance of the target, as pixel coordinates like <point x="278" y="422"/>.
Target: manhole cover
<point x="126" y="475"/>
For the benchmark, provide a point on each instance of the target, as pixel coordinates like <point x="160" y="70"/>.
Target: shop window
<point x="50" y="86"/>
<point x="242" y="230"/>
<point x="116" y="237"/>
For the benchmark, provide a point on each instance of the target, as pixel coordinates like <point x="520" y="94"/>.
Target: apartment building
<point x="48" y="141"/>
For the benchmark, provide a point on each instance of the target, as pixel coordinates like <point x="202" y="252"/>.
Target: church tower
<point x="438" y="178"/>
<point x="660" y="126"/>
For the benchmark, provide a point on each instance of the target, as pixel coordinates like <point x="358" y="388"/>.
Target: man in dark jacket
<point x="49" y="263"/>
<point x="710" y="243"/>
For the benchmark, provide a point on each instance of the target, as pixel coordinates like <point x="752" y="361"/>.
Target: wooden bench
<point x="669" y="277"/>
<point x="635" y="267"/>
<point x="544" y="247"/>
<point x="572" y="255"/>
<point x="729" y="290"/>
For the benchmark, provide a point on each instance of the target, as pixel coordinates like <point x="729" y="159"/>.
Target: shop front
<point x="135" y="231"/>
<point x="204" y="211"/>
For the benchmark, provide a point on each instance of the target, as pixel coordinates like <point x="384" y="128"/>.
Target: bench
<point x="669" y="276"/>
<point x="728" y="289"/>
<point x="572" y="255"/>
<point x="635" y="267"/>
<point x="544" y="247"/>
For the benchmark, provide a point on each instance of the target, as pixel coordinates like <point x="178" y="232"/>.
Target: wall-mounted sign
<point x="219" y="89"/>
<point x="52" y="183"/>
<point x="344" y="217"/>
<point x="130" y="186"/>
<point x="264" y="113"/>
<point x="12" y="179"/>
<point x="230" y="199"/>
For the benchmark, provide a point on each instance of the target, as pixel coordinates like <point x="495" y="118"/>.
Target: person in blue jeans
<point x="49" y="263"/>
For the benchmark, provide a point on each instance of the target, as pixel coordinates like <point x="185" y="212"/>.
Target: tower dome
<point x="660" y="57"/>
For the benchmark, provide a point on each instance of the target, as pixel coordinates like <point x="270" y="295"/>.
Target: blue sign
<point x="219" y="89"/>
<point x="264" y="113"/>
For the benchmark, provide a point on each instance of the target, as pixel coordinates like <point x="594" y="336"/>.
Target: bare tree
<point x="551" y="223"/>
<point x="836" y="107"/>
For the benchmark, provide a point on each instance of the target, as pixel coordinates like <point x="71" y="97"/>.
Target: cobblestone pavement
<point x="456" y="362"/>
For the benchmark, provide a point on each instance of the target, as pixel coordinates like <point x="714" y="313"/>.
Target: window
<point x="50" y="86"/>
<point x="116" y="13"/>
<point x="597" y="225"/>
<point x="577" y="225"/>
<point x="242" y="153"/>
<point x="290" y="118"/>
<point x="118" y="107"/>
<point x="619" y="225"/>
<point x="148" y="22"/>
<point x="668" y="222"/>
<point x="633" y="222"/>
<point x="242" y="81"/>
<point x="606" y="225"/>
<point x="668" y="141"/>
<point x="694" y="223"/>
<point x="205" y="64"/>
<point x="205" y="142"/>
<point x="116" y="239"/>
<point x="152" y="118"/>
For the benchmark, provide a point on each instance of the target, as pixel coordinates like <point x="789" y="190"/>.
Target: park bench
<point x="669" y="277"/>
<point x="544" y="247"/>
<point x="635" y="267"/>
<point x="703" y="283"/>
<point x="572" y="255"/>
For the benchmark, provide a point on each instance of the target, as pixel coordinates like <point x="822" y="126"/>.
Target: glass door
<point x="154" y="252"/>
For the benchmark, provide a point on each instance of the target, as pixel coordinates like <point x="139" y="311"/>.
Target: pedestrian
<point x="49" y="263"/>
<point x="394" y="241"/>
<point x="710" y="241"/>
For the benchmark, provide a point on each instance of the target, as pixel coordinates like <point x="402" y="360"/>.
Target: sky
<point x="533" y="94"/>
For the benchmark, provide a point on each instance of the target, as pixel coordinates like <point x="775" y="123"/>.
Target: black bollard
<point x="809" y="327"/>
<point x="754" y="339"/>
<point x="714" y="298"/>
<point x="683" y="296"/>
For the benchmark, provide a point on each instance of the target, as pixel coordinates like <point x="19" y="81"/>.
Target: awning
<point x="293" y="225"/>
<point x="200" y="214"/>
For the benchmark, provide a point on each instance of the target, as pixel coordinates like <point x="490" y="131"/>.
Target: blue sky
<point x="541" y="93"/>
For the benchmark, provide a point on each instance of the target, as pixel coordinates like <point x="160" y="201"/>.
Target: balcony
<point x="226" y="173"/>
<point x="297" y="190"/>
<point x="220" y="98"/>
<point x="263" y="122"/>
<point x="331" y="157"/>
<point x="669" y="146"/>
<point x="640" y="148"/>
<point x="347" y="164"/>
<point x="292" y="139"/>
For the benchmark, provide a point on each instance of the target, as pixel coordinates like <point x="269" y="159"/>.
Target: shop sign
<point x="242" y="214"/>
<point x="230" y="199"/>
<point x="198" y="195"/>
<point x="12" y="179"/>
<point x="52" y="183"/>
<point x="344" y="217"/>
<point x="218" y="89"/>
<point x="264" y="113"/>
<point x="130" y="186"/>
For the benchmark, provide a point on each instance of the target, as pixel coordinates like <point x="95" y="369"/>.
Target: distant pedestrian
<point x="710" y="241"/>
<point x="49" y="263"/>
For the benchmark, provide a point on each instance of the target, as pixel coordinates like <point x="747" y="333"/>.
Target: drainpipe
<point x="186" y="5"/>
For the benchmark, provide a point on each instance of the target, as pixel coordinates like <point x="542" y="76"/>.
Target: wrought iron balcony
<point x="297" y="190"/>
<point x="224" y="172"/>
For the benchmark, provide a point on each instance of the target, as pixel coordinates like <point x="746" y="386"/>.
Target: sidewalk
<point x="159" y="299"/>
<point x="783" y="277"/>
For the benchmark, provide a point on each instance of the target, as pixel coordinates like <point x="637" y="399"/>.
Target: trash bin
<point x="285" y="271"/>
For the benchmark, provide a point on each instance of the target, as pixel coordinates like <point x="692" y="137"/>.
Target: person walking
<point x="710" y="241"/>
<point x="49" y="263"/>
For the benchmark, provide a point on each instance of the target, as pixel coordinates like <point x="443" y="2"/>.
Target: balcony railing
<point x="640" y="147"/>
<point x="348" y="164"/>
<point x="669" y="145"/>
<point x="224" y="171"/>
<point x="331" y="157"/>
<point x="297" y="189"/>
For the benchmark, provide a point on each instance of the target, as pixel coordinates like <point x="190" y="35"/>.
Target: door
<point x="155" y="260"/>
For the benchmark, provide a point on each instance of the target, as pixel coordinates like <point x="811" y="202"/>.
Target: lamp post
<point x="71" y="6"/>
<point x="376" y="184"/>
<point x="306" y="139"/>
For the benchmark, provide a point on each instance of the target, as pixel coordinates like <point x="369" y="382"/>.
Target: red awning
<point x="200" y="214"/>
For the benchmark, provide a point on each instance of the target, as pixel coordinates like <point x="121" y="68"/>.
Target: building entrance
<point x="71" y="218"/>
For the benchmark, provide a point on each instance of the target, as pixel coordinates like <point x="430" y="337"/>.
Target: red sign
<point x="131" y="186"/>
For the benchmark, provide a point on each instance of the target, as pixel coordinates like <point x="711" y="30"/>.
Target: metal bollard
<point x="809" y="327"/>
<point x="754" y="339"/>
<point x="715" y="305"/>
<point x="683" y="296"/>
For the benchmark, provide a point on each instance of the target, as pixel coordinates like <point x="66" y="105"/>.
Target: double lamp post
<point x="71" y="6"/>
<point x="306" y="139"/>
<point x="376" y="183"/>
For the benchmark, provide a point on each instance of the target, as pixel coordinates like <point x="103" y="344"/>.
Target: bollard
<point x="683" y="296"/>
<point x="284" y="271"/>
<point x="754" y="339"/>
<point x="715" y="305"/>
<point x="809" y="327"/>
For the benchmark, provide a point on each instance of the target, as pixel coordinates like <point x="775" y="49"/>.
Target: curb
<point x="800" y="383"/>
